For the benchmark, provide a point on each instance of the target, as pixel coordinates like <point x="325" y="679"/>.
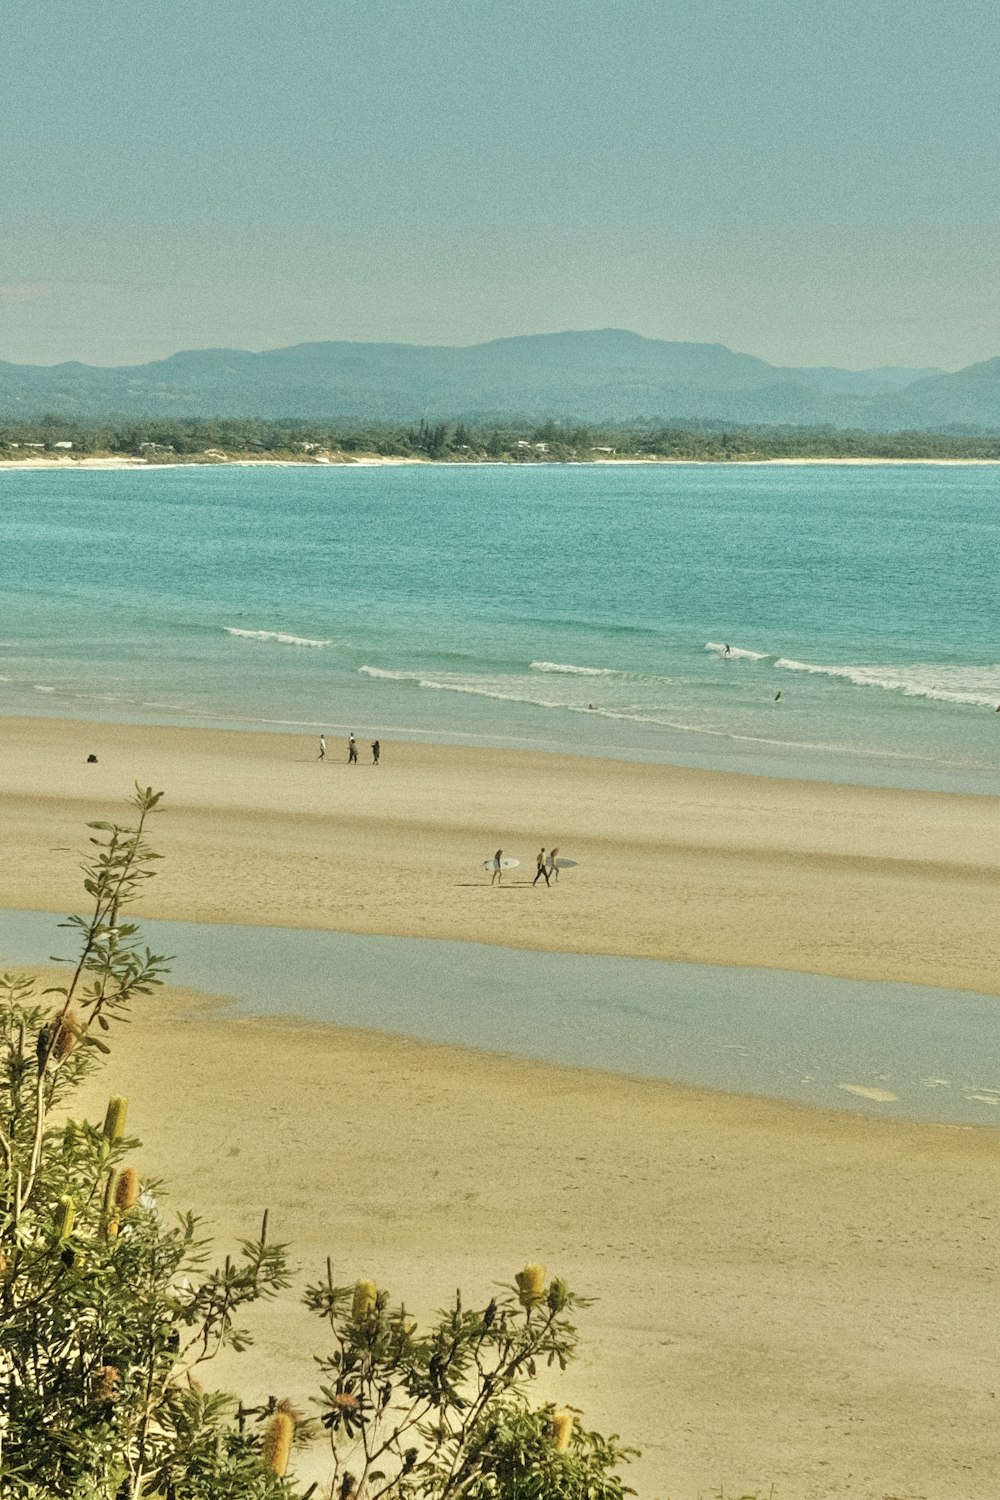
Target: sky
<point x="813" y="183"/>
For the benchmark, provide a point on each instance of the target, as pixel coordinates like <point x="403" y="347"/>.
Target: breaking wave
<point x="738" y="652"/>
<point x="977" y="686"/>
<point x="278" y="636"/>
<point x="566" y="669"/>
<point x="508" y="691"/>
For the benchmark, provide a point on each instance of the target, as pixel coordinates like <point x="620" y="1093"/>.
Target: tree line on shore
<point x="208" y="440"/>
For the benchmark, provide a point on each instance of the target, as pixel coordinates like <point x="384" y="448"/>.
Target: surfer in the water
<point x="497" y="877"/>
<point x="728" y="650"/>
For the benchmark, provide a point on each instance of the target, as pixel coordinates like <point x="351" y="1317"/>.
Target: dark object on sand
<point x="91" y="760"/>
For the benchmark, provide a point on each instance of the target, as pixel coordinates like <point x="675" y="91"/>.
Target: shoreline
<point x="756" y="1264"/>
<point x="124" y="462"/>
<point x="698" y="866"/>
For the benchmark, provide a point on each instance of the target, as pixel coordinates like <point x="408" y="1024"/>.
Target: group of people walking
<point x="352" y="749"/>
<point x="546" y="867"/>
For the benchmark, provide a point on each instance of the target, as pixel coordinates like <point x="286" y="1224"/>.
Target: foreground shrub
<point x="108" y="1313"/>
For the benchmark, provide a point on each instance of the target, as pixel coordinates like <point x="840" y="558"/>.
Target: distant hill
<point x="598" y="376"/>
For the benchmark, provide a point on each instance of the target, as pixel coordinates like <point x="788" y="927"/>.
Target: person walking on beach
<point x="352" y="750"/>
<point x="540" y="868"/>
<point x="497" y="877"/>
<point x="322" y="747"/>
<point x="376" y="752"/>
<point x="553" y="867"/>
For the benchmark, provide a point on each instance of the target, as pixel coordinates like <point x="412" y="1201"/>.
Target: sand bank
<point x="707" y="867"/>
<point x="784" y="1296"/>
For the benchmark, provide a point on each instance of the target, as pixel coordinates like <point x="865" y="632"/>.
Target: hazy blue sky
<point x="810" y="182"/>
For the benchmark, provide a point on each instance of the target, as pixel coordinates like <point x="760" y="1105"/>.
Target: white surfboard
<point x="505" y="864"/>
<point x="565" y="864"/>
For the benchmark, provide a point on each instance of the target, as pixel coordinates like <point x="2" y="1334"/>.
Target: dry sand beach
<point x="785" y="1295"/>
<point x="858" y="882"/>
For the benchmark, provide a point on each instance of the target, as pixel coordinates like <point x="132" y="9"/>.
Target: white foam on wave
<point x="444" y="684"/>
<point x="568" y="670"/>
<point x="507" y="692"/>
<point x="278" y="636"/>
<point x="978" y="687"/>
<point x="739" y="653"/>
<point x="40" y="687"/>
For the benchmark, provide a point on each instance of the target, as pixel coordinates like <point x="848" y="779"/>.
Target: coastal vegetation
<point x="111" y="1310"/>
<point x="229" y="440"/>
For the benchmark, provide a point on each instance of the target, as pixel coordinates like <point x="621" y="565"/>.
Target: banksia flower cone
<point x="106" y="1379"/>
<point x="67" y="1035"/>
<point x="63" y="1220"/>
<point x="562" y="1430"/>
<point x="278" y="1442"/>
<point x="530" y="1286"/>
<point x="114" y="1119"/>
<point x="127" y="1189"/>
<point x="365" y="1297"/>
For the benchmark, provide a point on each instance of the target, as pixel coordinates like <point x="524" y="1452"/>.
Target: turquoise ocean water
<point x="496" y="604"/>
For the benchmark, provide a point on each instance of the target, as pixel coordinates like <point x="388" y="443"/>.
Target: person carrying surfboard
<point x="497" y="876"/>
<point x="553" y="867"/>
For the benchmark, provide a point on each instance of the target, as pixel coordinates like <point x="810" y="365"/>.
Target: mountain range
<point x="604" y="375"/>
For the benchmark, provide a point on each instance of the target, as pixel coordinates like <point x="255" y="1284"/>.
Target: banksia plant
<point x="127" y="1189"/>
<point x="530" y="1286"/>
<point x="278" y="1442"/>
<point x="365" y="1298"/>
<point x="62" y="1221"/>
<point x="561" y="1431"/>
<point x="114" y="1119"/>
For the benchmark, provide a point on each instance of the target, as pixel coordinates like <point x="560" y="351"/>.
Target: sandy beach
<point x="785" y="1296"/>
<point x="855" y="882"/>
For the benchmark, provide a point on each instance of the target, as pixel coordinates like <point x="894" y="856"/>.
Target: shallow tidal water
<point x="899" y="1051"/>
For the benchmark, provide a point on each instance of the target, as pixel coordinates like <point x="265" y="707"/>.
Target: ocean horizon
<point x="570" y="609"/>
